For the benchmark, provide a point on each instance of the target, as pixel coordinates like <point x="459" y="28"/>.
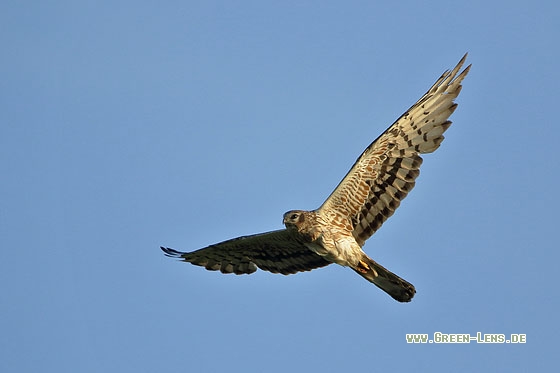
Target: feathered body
<point x="366" y="197"/>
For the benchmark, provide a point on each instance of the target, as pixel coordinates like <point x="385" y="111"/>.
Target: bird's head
<point x="293" y="218"/>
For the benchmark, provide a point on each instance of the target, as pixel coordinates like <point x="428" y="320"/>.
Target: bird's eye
<point x="294" y="216"/>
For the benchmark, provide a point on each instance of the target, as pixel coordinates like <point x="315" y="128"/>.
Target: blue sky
<point x="129" y="125"/>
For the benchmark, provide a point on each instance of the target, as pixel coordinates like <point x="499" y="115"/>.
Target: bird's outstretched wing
<point x="386" y="171"/>
<point x="277" y="252"/>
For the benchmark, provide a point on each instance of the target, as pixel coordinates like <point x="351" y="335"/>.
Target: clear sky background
<point x="126" y="125"/>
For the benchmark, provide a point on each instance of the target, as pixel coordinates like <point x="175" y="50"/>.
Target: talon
<point x="363" y="267"/>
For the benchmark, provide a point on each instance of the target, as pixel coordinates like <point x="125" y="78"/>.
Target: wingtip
<point x="455" y="76"/>
<point x="171" y="252"/>
<point x="460" y="64"/>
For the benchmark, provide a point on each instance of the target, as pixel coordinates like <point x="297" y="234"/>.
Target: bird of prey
<point x="381" y="178"/>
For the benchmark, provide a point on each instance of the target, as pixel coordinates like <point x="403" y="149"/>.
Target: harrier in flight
<point x="368" y="195"/>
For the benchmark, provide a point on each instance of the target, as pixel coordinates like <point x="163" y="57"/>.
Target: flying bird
<point x="369" y="194"/>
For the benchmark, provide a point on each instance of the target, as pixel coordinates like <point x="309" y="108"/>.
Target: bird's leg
<point x="363" y="267"/>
